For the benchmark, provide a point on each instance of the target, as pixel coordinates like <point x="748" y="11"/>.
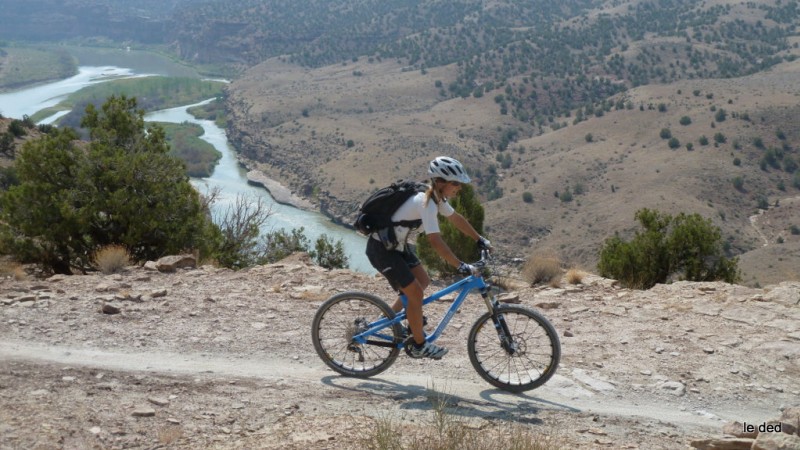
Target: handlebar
<point x="481" y="263"/>
<point x="485" y="257"/>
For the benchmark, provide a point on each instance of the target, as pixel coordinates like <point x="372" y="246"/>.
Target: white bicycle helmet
<point x="448" y="169"/>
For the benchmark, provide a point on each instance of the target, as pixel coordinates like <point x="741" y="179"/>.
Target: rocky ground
<point x="211" y="358"/>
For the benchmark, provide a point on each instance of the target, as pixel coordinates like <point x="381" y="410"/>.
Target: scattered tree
<point x="738" y="183"/>
<point x="686" y="246"/>
<point x="329" y="254"/>
<point x="122" y="188"/>
<point x="527" y="197"/>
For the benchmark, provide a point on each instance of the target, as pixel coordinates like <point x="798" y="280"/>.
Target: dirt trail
<point x="559" y="394"/>
<point x="788" y="206"/>
<point x="210" y="358"/>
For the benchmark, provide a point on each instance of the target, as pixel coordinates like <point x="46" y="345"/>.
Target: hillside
<point x="571" y="110"/>
<point x="285" y="116"/>
<point x="212" y="358"/>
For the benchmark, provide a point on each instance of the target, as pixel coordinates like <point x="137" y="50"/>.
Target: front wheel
<point x="346" y="315"/>
<point x="516" y="351"/>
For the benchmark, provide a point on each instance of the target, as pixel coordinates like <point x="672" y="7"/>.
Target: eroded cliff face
<point x="335" y="134"/>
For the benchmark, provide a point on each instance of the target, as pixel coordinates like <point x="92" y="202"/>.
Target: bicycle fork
<point x="500" y="325"/>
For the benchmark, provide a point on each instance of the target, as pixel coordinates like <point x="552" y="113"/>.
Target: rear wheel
<point x="525" y="358"/>
<point x="346" y="315"/>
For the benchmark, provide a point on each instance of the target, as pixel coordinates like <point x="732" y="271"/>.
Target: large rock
<point x="776" y="441"/>
<point x="791" y="416"/>
<point x="723" y="444"/>
<point x="786" y="293"/>
<point x="173" y="263"/>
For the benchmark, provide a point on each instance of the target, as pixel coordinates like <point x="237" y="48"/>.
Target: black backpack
<point x="375" y="214"/>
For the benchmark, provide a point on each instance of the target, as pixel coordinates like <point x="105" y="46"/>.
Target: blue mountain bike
<point x="512" y="347"/>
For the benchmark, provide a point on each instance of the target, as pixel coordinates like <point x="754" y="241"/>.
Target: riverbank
<point x="279" y="192"/>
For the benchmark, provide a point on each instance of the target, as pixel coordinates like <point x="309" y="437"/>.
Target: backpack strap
<point x="413" y="224"/>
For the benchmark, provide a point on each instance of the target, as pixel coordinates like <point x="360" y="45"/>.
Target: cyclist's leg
<point x="422" y="278"/>
<point x="397" y="267"/>
<point x="416" y="322"/>
<point x="414" y="294"/>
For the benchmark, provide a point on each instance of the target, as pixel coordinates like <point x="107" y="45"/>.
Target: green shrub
<point x="789" y="164"/>
<point x="465" y="248"/>
<point x="240" y="225"/>
<point x="281" y="243"/>
<point x="685" y="120"/>
<point x="665" y="133"/>
<point x="703" y="140"/>
<point x="527" y="197"/>
<point x="16" y="128"/>
<point x="674" y="143"/>
<point x="686" y="246"/>
<point x="122" y="188"/>
<point x="329" y="254"/>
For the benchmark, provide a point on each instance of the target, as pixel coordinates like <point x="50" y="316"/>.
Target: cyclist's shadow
<point x="495" y="403"/>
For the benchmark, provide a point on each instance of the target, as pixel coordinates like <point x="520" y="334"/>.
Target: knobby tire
<point x="534" y="360"/>
<point x="343" y="316"/>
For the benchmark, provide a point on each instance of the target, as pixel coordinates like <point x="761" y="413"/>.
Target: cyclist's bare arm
<point x="443" y="249"/>
<point x="463" y="225"/>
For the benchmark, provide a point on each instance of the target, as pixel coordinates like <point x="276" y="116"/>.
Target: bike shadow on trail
<point x="492" y="403"/>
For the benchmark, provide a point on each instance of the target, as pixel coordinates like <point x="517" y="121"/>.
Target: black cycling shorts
<point x="394" y="265"/>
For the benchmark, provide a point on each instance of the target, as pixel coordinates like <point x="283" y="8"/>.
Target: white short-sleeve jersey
<point x="416" y="208"/>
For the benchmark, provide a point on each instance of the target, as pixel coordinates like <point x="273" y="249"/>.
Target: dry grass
<point x="449" y="431"/>
<point x="13" y="269"/>
<point x="169" y="435"/>
<point x="575" y="276"/>
<point x="111" y="259"/>
<point x="543" y="266"/>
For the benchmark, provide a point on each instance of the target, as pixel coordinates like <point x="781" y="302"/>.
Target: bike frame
<point x="465" y="286"/>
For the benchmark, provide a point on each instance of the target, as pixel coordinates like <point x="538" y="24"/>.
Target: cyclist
<point x="401" y="266"/>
